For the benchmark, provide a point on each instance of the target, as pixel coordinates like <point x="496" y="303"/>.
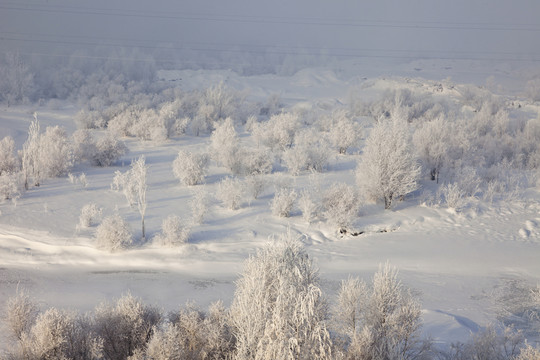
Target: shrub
<point x="308" y="205"/>
<point x="278" y="311"/>
<point x="90" y="215"/>
<point x="199" y="205"/>
<point x="113" y="234"/>
<point x="21" y="312"/>
<point x="8" y="161"/>
<point x="283" y="202"/>
<point x="190" y="168"/>
<point x="230" y="193"/>
<point x="173" y="232"/>
<point x="340" y="205"/>
<point x="9" y="186"/>
<point x="125" y="326"/>
<point x="109" y="150"/>
<point x="84" y="146"/>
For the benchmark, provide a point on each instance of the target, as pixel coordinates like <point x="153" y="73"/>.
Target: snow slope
<point x="455" y="261"/>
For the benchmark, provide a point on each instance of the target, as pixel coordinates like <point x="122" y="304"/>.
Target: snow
<point x="453" y="259"/>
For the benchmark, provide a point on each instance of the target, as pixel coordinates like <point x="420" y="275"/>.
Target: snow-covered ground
<point x="456" y="261"/>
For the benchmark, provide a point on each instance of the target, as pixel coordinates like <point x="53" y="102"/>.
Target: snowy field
<point x="460" y="262"/>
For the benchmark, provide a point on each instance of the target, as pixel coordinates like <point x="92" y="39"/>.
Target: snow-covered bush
<point x="387" y="169"/>
<point x="125" y="327"/>
<point x="283" y="202"/>
<point x="84" y="146"/>
<point x="190" y="168"/>
<point x="254" y="185"/>
<point x="278" y="311"/>
<point x="340" y="204"/>
<point x="490" y="343"/>
<point x="308" y="205"/>
<point x="199" y="205"/>
<point x="344" y="132"/>
<point x="431" y="144"/>
<point x="310" y="152"/>
<point x="255" y="161"/>
<point x="58" y="334"/>
<point x="453" y="195"/>
<point x="113" y="234"/>
<point x="224" y="145"/>
<point x="529" y="353"/>
<point x="173" y="232"/>
<point x="109" y="150"/>
<point x="78" y="180"/>
<point x="193" y="334"/>
<point x="382" y="321"/>
<point x="55" y="152"/>
<point x="9" y="186"/>
<point x="230" y="192"/>
<point x="278" y="132"/>
<point x="21" y="311"/>
<point x="8" y="161"/>
<point x="90" y="119"/>
<point x="90" y="215"/>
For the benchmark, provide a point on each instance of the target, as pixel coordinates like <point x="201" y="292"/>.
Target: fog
<point x="223" y="30"/>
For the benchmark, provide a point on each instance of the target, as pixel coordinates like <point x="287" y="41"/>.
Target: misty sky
<point x="486" y="29"/>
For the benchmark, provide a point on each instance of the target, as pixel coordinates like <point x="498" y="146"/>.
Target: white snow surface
<point x="454" y="261"/>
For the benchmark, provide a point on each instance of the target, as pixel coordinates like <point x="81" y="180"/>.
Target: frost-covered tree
<point x="173" y="232"/>
<point x="109" y="150"/>
<point x="278" y="132"/>
<point x="30" y="155"/>
<point x="225" y="146"/>
<point x="21" y="311"/>
<point x="138" y="180"/>
<point x="9" y="186"/>
<point x="230" y="192"/>
<point x="431" y="143"/>
<point x="199" y="205"/>
<point x="84" y="146"/>
<point x="278" y="311"/>
<point x="55" y="152"/>
<point x="125" y="326"/>
<point x="283" y="201"/>
<point x="309" y="152"/>
<point x="90" y="215"/>
<point x="8" y="161"/>
<point x="344" y="132"/>
<point x="387" y="169"/>
<point x="341" y="203"/>
<point x="113" y="234"/>
<point x="190" y="168"/>
<point x="383" y="321"/>
<point x="16" y="79"/>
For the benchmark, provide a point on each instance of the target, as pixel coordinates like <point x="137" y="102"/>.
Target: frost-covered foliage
<point x="190" y="168"/>
<point x="310" y="152"/>
<point x="278" y="311"/>
<point x="55" y="152"/>
<point x="8" y="161"/>
<point x="255" y="161"/>
<point x="341" y="203"/>
<point x="199" y="205"/>
<point x="278" y="132"/>
<point x="225" y="146"/>
<point x="193" y="334"/>
<point x="309" y="204"/>
<point x="30" y="164"/>
<point x="254" y="185"/>
<point x="431" y="142"/>
<point x="90" y="215"/>
<point x="173" y="232"/>
<point x="387" y="169"/>
<point x="381" y="321"/>
<point x="343" y="131"/>
<point x="57" y="334"/>
<point x="84" y="146"/>
<point x="16" y="79"/>
<point x="9" y="186"/>
<point x="283" y="201"/>
<point x="113" y="234"/>
<point x="21" y="311"/>
<point x="491" y="343"/>
<point x="125" y="326"/>
<point x="109" y="150"/>
<point x="230" y="192"/>
<point x="402" y="103"/>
